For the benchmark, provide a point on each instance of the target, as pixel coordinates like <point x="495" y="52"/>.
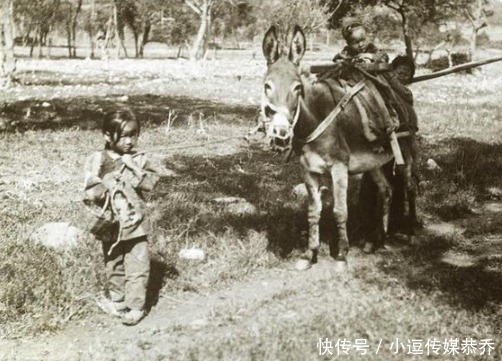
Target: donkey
<point x="324" y="129"/>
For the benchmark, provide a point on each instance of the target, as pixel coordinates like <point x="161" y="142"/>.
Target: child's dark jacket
<point x="103" y="169"/>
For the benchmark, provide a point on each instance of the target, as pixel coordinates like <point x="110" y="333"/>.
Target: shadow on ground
<point x="159" y="272"/>
<point x="260" y="177"/>
<point x="468" y="175"/>
<point x="87" y="112"/>
<point x="266" y="181"/>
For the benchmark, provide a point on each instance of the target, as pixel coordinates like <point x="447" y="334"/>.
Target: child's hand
<point x="128" y="161"/>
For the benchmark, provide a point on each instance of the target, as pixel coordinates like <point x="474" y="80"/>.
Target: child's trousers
<point x="128" y="270"/>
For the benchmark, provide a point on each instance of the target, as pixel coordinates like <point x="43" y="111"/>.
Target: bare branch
<point x="342" y="2"/>
<point x="393" y="6"/>
<point x="194" y="6"/>
<point x="470" y="17"/>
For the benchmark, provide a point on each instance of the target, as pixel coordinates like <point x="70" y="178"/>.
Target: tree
<point x="203" y="10"/>
<point x="69" y="13"/>
<point x="39" y="17"/>
<point x="7" y="59"/>
<point x="406" y="9"/>
<point x="139" y="15"/>
<point x="476" y="13"/>
<point x="311" y="15"/>
<point x="237" y="21"/>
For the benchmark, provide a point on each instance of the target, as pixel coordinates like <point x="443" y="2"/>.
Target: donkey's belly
<point x="361" y="162"/>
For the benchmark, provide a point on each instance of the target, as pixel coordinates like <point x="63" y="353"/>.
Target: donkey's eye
<point x="267" y="88"/>
<point x="269" y="112"/>
<point x="298" y="89"/>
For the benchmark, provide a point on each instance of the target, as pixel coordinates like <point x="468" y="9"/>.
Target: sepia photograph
<point x="250" y="180"/>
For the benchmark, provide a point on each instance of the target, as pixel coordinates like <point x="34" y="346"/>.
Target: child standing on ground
<point x="118" y="176"/>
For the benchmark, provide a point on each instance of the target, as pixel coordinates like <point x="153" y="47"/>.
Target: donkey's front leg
<point x="312" y="181"/>
<point x="340" y="179"/>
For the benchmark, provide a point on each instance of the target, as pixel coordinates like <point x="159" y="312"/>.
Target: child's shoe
<point x="110" y="307"/>
<point x="132" y="317"/>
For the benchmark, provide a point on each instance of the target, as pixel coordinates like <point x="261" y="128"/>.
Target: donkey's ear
<point x="298" y="45"/>
<point x="270" y="45"/>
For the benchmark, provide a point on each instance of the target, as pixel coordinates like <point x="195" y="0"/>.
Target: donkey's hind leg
<point x="408" y="176"/>
<point x="384" y="195"/>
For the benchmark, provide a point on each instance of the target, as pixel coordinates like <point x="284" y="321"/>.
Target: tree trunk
<point x="145" y="38"/>
<point x="74" y="20"/>
<point x="90" y="30"/>
<point x="119" y="41"/>
<point x="69" y="40"/>
<point x="474" y="40"/>
<point x="406" y="34"/>
<point x="205" y="42"/>
<point x="136" y="43"/>
<point x="201" y="32"/>
<point x="33" y="43"/>
<point x="40" y="44"/>
<point x="7" y="58"/>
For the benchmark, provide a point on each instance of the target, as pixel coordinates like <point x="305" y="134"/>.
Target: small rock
<point x="242" y="208"/>
<point x="123" y="98"/>
<point x="57" y="235"/>
<point x="46" y="104"/>
<point x="198" y="324"/>
<point x="228" y="200"/>
<point x="432" y="165"/>
<point x="192" y="254"/>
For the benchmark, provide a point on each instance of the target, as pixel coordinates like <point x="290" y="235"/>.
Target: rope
<point x="151" y="150"/>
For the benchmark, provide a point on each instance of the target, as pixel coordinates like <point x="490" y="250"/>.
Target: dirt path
<point x="177" y="323"/>
<point x="245" y="309"/>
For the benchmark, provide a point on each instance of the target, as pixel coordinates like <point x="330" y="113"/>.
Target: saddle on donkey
<point x="384" y="102"/>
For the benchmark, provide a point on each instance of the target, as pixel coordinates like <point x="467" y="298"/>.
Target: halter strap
<point x="265" y="103"/>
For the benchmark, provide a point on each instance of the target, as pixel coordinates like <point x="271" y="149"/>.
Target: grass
<point x="407" y="294"/>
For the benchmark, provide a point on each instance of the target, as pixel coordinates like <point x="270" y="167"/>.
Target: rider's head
<point x="355" y="36"/>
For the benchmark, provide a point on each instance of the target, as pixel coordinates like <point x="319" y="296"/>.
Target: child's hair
<point x="407" y="63"/>
<point x="349" y="28"/>
<point x="115" y="121"/>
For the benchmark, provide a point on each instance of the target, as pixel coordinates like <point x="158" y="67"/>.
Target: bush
<point x="483" y="40"/>
<point x="456" y="59"/>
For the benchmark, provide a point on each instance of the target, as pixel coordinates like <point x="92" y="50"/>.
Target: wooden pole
<point x="319" y="68"/>
<point x="456" y="69"/>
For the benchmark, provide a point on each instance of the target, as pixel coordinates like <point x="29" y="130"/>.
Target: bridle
<point x="274" y="133"/>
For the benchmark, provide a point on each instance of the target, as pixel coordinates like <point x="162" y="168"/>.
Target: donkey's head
<point x="283" y="87"/>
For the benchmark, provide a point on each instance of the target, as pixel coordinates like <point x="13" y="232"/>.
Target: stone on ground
<point x="57" y="235"/>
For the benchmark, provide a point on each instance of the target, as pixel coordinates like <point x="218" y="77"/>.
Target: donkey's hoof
<point x="340" y="266"/>
<point x="368" y="248"/>
<point x="303" y="264"/>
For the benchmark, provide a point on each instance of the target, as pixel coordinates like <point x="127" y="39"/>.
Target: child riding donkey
<point x="361" y="59"/>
